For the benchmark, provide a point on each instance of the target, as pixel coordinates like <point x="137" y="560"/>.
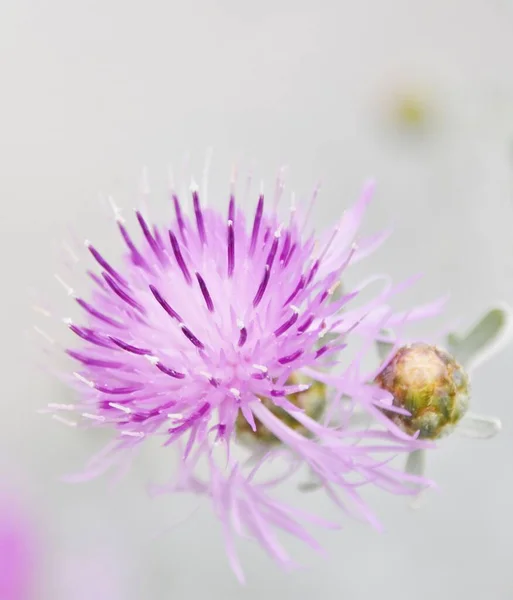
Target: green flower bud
<point x="312" y="401"/>
<point x="431" y="385"/>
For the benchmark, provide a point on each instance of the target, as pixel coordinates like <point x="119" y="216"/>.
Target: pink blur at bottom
<point x="17" y="552"/>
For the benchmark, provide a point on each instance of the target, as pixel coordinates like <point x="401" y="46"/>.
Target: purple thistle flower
<point x="222" y="318"/>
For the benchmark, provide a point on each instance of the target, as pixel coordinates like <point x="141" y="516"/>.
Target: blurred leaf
<point x="483" y="339"/>
<point x="384" y="348"/>
<point x="479" y="427"/>
<point x="416" y="463"/>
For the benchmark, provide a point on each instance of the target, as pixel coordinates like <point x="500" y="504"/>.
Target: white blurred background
<point x="416" y="94"/>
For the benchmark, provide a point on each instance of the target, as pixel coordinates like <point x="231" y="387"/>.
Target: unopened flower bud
<point x="312" y="401"/>
<point x="430" y="385"/>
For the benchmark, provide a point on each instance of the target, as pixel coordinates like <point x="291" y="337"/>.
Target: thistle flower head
<point x="429" y="383"/>
<point x="219" y="326"/>
<point x="207" y="318"/>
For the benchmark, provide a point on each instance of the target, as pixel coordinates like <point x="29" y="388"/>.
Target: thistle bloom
<point x="219" y="326"/>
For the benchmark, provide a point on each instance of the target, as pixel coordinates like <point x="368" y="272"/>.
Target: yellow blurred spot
<point x="411" y="110"/>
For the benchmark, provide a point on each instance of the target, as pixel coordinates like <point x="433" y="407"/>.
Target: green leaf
<point x="483" y="339"/>
<point x="416" y="462"/>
